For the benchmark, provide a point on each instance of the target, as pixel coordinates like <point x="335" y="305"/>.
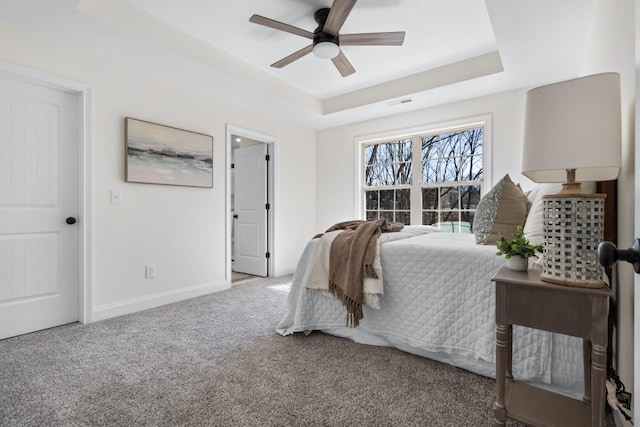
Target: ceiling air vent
<point x="399" y="102"/>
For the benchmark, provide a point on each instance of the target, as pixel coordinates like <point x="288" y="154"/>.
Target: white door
<point x="250" y="208"/>
<point x="39" y="175"/>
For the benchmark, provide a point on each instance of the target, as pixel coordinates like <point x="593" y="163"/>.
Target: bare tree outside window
<point x="389" y="165"/>
<point x="452" y="163"/>
<point x="450" y="178"/>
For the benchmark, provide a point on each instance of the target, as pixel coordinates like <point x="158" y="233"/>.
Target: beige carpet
<point x="216" y="361"/>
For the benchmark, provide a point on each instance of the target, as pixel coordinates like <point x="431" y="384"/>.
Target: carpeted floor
<point x="216" y="360"/>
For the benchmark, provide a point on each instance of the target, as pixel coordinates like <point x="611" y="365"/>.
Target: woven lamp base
<point x="573" y="228"/>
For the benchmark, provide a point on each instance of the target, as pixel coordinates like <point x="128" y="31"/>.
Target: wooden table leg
<point x="586" y="354"/>
<point x="509" y="361"/>
<point x="503" y="343"/>
<point x="599" y="308"/>
<point x="598" y="387"/>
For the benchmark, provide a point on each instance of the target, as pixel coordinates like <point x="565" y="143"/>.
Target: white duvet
<point x="439" y="302"/>
<point x="317" y="269"/>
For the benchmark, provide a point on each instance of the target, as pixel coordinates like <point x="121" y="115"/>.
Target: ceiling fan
<point x="327" y="38"/>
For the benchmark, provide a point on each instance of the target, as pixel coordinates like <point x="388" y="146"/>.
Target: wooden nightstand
<point x="523" y="299"/>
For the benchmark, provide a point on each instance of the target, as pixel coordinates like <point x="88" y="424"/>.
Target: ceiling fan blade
<point x="294" y="56"/>
<point x="395" y="38"/>
<point x="343" y="65"/>
<point x="268" y="22"/>
<point x="340" y="9"/>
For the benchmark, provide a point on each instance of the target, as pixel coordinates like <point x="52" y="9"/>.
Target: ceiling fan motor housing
<point x="319" y="35"/>
<point x="325" y="37"/>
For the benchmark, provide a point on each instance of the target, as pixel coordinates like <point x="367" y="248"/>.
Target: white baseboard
<point x="144" y="303"/>
<point x="284" y="271"/>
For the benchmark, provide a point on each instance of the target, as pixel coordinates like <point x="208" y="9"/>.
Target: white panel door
<point x="250" y="199"/>
<point x="39" y="176"/>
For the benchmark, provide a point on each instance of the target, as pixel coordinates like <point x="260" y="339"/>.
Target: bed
<point x="439" y="303"/>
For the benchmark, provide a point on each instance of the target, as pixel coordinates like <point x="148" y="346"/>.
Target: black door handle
<point x="71" y="220"/>
<point x="609" y="254"/>
<point x="236" y="216"/>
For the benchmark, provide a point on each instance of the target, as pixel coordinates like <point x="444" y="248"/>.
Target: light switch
<point x="115" y="197"/>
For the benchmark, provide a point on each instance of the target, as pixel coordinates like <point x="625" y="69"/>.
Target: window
<point x="429" y="178"/>
<point x="388" y="169"/>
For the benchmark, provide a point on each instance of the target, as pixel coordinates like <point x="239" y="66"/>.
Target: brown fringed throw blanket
<point x="351" y="259"/>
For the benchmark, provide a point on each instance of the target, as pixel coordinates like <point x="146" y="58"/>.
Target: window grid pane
<point x="388" y="163"/>
<point x="451" y="174"/>
<point x="454" y="206"/>
<point x="392" y="204"/>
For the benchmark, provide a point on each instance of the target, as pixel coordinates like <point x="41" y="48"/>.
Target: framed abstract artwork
<point x="157" y="154"/>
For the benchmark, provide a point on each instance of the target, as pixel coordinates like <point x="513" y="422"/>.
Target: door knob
<point x="71" y="220"/>
<point x="609" y="254"/>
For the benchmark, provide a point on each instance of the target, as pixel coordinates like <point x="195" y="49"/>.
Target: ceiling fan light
<point x="326" y="50"/>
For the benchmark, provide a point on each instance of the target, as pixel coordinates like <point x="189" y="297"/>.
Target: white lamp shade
<point x="326" y="50"/>
<point x="573" y="124"/>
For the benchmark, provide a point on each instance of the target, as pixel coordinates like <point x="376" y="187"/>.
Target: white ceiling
<point x="453" y="50"/>
<point x="430" y="40"/>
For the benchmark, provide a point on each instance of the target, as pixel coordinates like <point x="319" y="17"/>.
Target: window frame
<point x="417" y="133"/>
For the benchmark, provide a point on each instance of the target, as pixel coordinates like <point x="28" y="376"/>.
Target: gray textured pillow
<point x="499" y="212"/>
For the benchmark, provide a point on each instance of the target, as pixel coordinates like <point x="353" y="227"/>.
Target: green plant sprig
<point x="517" y="246"/>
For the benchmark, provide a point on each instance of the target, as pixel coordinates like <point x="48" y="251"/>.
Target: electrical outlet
<point x="150" y="271"/>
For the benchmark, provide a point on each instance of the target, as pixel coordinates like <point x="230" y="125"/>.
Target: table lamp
<point x="572" y="134"/>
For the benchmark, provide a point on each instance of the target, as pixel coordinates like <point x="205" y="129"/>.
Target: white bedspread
<point x="439" y="302"/>
<point x="317" y="273"/>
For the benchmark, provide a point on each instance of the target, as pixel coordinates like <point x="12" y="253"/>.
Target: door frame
<point x="271" y="142"/>
<point x="83" y="92"/>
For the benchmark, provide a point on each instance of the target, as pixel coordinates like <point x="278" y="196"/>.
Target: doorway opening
<point x="250" y="190"/>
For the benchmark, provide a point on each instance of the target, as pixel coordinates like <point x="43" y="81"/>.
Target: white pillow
<point x="533" y="228"/>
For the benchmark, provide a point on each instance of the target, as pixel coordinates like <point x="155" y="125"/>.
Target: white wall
<point x="610" y="47"/>
<point x="336" y="148"/>
<point x="179" y="229"/>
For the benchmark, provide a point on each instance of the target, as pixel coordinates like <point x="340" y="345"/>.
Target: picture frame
<point x="165" y="155"/>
